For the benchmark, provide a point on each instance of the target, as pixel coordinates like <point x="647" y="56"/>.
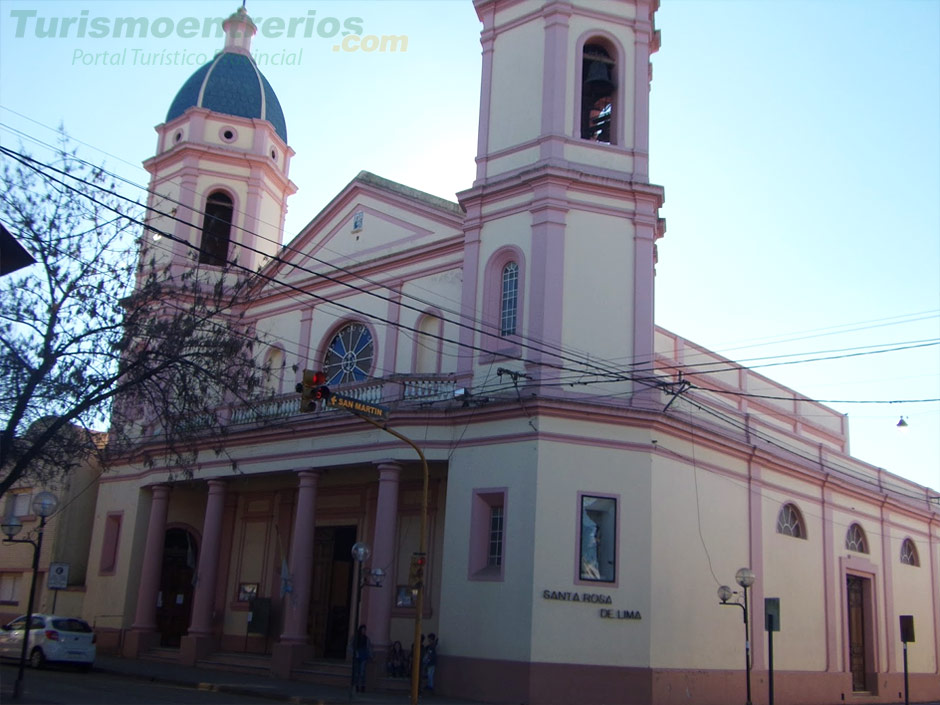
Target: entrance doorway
<point x="175" y="600"/>
<point x="857" y="592"/>
<point x="328" y="623"/>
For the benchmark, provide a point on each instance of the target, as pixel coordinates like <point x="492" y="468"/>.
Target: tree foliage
<point x="101" y="333"/>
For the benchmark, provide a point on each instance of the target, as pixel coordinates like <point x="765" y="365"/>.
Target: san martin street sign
<point x="358" y="406"/>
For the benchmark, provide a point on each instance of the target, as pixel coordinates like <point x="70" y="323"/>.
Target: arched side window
<point x="509" y="300"/>
<point x="855" y="539"/>
<point x="909" y="553"/>
<point x="790" y="522"/>
<point x="598" y="91"/>
<point x="216" y="230"/>
<point x="427" y="357"/>
<point x="503" y="293"/>
<point x="350" y="355"/>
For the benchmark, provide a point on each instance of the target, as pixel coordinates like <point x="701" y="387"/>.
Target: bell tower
<point x="561" y="218"/>
<point x="219" y="180"/>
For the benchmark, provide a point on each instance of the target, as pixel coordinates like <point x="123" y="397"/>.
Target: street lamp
<point x="364" y="578"/>
<point x="745" y="578"/>
<point x="44" y="505"/>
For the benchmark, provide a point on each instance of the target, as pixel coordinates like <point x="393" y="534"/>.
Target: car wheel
<point x="37" y="659"/>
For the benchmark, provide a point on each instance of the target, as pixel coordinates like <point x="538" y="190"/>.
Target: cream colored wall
<point x="490" y="619"/>
<point x="570" y="632"/>
<point x="516" y="99"/>
<point x="793" y="570"/>
<point x="699" y="540"/>
<point x="591" y="238"/>
<point x="111" y="600"/>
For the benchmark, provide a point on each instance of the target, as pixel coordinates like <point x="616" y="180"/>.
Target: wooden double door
<point x="332" y="591"/>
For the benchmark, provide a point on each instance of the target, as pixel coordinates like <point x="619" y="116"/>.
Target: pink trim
<point x="554" y="81"/>
<point x="303" y="354"/>
<point x="481" y="505"/>
<point x="208" y="562"/>
<point x="755" y="537"/>
<point x="546" y="308"/>
<point x="487" y="39"/>
<point x="830" y="600"/>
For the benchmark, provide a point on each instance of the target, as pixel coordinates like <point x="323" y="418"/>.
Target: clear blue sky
<point x="798" y="144"/>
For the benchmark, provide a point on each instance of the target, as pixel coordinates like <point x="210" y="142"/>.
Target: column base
<point x="197" y="647"/>
<point x="137" y="641"/>
<point x="286" y="656"/>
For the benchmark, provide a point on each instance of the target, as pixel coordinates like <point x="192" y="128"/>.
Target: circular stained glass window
<point x="349" y="356"/>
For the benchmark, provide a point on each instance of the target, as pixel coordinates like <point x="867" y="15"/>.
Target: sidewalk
<point x="238" y="683"/>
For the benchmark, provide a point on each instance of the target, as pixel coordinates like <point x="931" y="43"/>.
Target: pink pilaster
<point x="297" y="601"/>
<point x="199" y="642"/>
<point x="208" y="567"/>
<point x="293" y="648"/>
<point x="143" y="631"/>
<point x="383" y="553"/>
<point x="145" y="618"/>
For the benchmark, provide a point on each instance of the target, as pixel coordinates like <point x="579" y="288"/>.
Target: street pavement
<point x="228" y="682"/>
<point x="239" y="683"/>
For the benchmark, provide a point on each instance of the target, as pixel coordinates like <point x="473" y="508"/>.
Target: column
<point x="199" y="642"/>
<point x="379" y="611"/>
<point x="145" y="618"/>
<point x="297" y="601"/>
<point x="292" y="648"/>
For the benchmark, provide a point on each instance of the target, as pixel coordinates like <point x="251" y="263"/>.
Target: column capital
<point x="388" y="464"/>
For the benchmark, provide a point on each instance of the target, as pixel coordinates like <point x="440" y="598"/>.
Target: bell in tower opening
<point x="597" y="94"/>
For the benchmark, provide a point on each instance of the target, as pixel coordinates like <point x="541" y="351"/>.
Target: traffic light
<point x="416" y="574"/>
<point x="312" y="389"/>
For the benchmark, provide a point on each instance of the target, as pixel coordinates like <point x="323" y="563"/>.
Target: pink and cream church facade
<point x="584" y="503"/>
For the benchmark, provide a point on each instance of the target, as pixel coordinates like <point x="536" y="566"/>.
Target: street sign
<point x="772" y="614"/>
<point x="58" y="576"/>
<point x="357" y="406"/>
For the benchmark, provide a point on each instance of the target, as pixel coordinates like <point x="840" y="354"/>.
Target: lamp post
<point x="745" y="578"/>
<point x="44" y="505"/>
<point x="364" y="578"/>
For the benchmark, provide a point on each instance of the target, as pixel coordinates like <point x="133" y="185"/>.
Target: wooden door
<point x="855" y="597"/>
<point x="176" y="586"/>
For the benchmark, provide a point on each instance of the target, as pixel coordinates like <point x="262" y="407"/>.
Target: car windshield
<point x="71" y="625"/>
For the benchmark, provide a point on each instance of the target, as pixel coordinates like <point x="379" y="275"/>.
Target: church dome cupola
<point x="231" y="83"/>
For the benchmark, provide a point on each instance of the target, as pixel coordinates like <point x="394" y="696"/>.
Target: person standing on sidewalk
<point x="362" y="654"/>
<point x="430" y="660"/>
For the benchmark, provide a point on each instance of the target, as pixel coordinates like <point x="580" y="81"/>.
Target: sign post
<point x="907" y="635"/>
<point x="58" y="579"/>
<point x="771" y="624"/>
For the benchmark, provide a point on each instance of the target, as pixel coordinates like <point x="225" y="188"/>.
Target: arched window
<point x="598" y="92"/>
<point x="350" y="355"/>
<point x="216" y="230"/>
<point x="509" y="300"/>
<point x="790" y="522"/>
<point x="855" y="539"/>
<point x="909" y="553"/>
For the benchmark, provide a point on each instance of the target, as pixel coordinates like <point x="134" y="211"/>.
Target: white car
<point x="51" y="639"/>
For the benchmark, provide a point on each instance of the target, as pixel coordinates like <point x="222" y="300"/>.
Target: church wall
<point x="694" y="506"/>
<point x="591" y="632"/>
<point x="516" y="98"/>
<point x="490" y="619"/>
<point x="592" y="238"/>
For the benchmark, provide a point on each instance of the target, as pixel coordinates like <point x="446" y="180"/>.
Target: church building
<point x="575" y="503"/>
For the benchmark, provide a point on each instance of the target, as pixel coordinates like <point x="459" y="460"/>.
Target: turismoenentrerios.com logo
<point x="348" y="34"/>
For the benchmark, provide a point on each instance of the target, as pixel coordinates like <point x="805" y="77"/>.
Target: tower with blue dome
<point x="220" y="176"/>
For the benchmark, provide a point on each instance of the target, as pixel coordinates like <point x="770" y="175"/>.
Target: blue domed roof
<point x="231" y="84"/>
